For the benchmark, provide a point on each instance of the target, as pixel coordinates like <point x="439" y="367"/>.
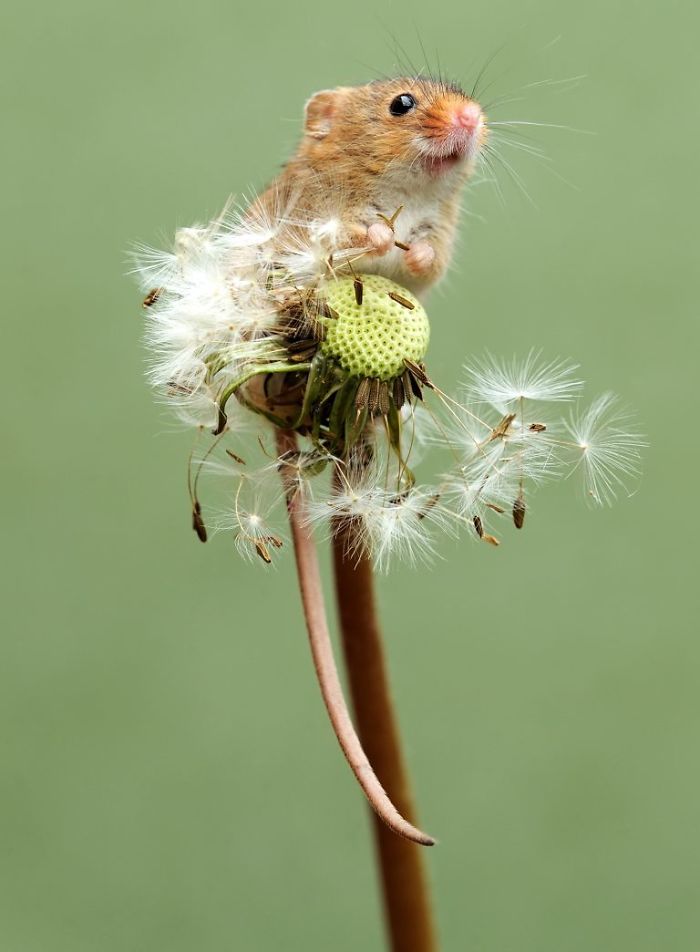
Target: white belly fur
<point x="414" y="219"/>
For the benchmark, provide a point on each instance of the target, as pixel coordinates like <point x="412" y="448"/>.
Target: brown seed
<point x="275" y="540"/>
<point x="411" y="385"/>
<point x="373" y="399"/>
<point x="399" y="393"/>
<point x="384" y="402"/>
<point x="234" y="456"/>
<point x="398" y="498"/>
<point x="503" y="426"/>
<point x="433" y="501"/>
<point x="198" y="522"/>
<point x="401" y="245"/>
<point x="418" y="371"/>
<point x="263" y="551"/>
<point x="362" y="395"/>
<point x="479" y="526"/>
<point x="492" y="505"/>
<point x="492" y="540"/>
<point x="538" y="427"/>
<point x="519" y="512"/>
<point x="152" y="297"/>
<point x="359" y="290"/>
<point x="404" y="302"/>
<point x="302" y="356"/>
<point x="296" y="345"/>
<point x="177" y="388"/>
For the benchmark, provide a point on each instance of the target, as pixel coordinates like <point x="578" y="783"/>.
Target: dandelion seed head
<point x="249" y="304"/>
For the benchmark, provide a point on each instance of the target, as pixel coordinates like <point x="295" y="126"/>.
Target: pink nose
<point x="468" y="116"/>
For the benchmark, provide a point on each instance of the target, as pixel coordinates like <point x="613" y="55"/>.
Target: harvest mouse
<point x="368" y="151"/>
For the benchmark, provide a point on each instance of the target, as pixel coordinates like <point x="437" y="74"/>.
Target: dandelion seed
<point x="262" y="550"/>
<point x="198" y="522"/>
<point x="152" y="297"/>
<point x="400" y="299"/>
<point x="609" y="445"/>
<point x="253" y="536"/>
<point x="504" y="385"/>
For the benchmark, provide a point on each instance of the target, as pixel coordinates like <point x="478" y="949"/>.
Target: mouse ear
<point x="319" y="112"/>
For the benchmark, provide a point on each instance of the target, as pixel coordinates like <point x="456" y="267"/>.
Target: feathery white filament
<point x="504" y="384"/>
<point x="609" y="444"/>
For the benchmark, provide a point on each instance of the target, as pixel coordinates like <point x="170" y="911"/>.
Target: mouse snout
<point x="468" y="117"/>
<point x="454" y="128"/>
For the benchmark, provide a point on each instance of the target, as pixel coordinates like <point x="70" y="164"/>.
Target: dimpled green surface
<point x="374" y="338"/>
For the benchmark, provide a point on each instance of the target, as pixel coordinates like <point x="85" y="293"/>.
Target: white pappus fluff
<point x="212" y="312"/>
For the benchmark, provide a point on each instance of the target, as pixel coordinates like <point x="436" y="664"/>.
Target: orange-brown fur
<point x="358" y="162"/>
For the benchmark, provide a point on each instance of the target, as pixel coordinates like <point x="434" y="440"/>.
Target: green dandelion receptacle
<point x="363" y="358"/>
<point x="376" y="326"/>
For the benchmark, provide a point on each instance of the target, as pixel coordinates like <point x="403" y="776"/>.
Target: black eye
<point x="402" y="104"/>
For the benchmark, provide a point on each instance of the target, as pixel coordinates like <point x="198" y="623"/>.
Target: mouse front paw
<point x="420" y="257"/>
<point x="380" y="237"/>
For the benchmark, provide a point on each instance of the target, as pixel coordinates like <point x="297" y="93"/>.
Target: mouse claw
<point x="420" y="257"/>
<point x="381" y="237"/>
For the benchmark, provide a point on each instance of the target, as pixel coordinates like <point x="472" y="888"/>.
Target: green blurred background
<point x="159" y="791"/>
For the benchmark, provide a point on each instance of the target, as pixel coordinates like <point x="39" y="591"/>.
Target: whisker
<point x="574" y="80"/>
<point x="503" y="101"/>
<point x="536" y="154"/>
<point x="486" y="159"/>
<point x="401" y="54"/>
<point x="431" y="75"/>
<point x="542" y="125"/>
<point x="551" y="43"/>
<point x="532" y="150"/>
<point x="491" y="58"/>
<point x="515" y="176"/>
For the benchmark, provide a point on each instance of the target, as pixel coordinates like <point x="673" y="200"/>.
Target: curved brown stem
<point x="404" y="881"/>
<point x="324" y="662"/>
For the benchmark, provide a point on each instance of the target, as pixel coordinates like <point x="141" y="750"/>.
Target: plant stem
<point x="322" y="653"/>
<point x="404" y="882"/>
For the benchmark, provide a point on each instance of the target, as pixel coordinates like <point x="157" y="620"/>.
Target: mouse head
<point x="394" y="126"/>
